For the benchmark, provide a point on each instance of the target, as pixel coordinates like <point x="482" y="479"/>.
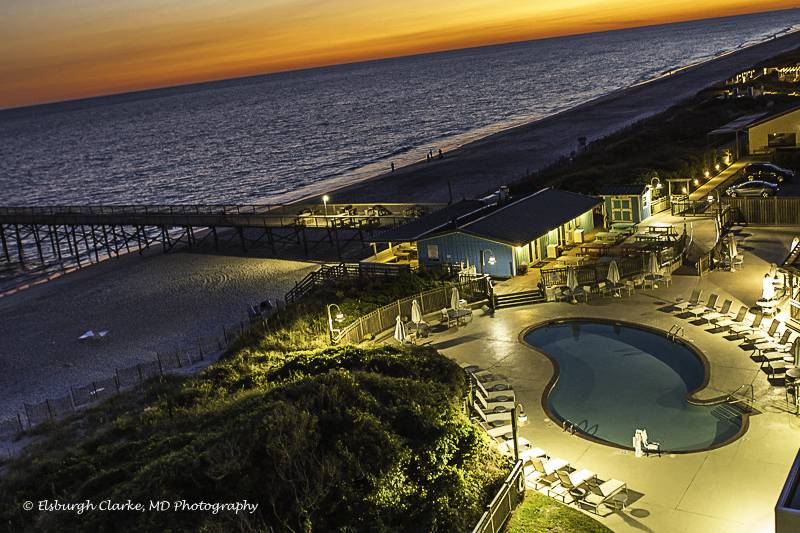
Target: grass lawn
<point x="541" y="513"/>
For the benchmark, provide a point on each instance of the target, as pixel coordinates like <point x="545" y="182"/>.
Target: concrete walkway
<point x="730" y="489"/>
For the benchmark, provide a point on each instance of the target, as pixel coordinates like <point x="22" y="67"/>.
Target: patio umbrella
<point x="767" y="288"/>
<point x="732" y="251"/>
<point x="652" y="265"/>
<point x="796" y="352"/>
<point x="454" y="298"/>
<point x="613" y="272"/>
<point x="572" y="282"/>
<point x="416" y="312"/>
<point x="400" y="331"/>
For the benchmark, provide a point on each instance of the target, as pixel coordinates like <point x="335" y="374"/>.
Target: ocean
<point x="279" y="137"/>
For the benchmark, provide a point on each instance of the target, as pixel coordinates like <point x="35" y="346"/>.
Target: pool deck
<point x="729" y="489"/>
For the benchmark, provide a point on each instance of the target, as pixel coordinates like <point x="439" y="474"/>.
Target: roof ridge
<point x="494" y="212"/>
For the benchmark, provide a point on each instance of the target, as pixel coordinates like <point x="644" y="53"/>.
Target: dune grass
<point x="347" y="438"/>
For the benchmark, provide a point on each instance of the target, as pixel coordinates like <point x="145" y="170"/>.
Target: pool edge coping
<point x="689" y="396"/>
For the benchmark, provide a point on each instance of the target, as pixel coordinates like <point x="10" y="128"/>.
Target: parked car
<point x="753" y="188"/>
<point x="767" y="172"/>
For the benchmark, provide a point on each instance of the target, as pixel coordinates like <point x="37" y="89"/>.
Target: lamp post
<point x="337" y="317"/>
<point x="325" y="201"/>
<point x="484" y="258"/>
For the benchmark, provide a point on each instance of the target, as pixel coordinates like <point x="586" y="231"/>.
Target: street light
<point x="337" y="317"/>
<point x="325" y="201"/>
<point x="487" y="259"/>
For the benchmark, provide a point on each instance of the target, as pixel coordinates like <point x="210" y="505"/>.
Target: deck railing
<point x="499" y="510"/>
<point x="384" y="318"/>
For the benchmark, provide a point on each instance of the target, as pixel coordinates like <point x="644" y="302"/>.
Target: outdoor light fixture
<point x="717" y="167"/>
<point x="656" y="183"/>
<point x="707" y="174"/>
<point x="685" y="190"/>
<point x="710" y="199"/>
<point x="337" y="317"/>
<point x="325" y="201"/>
<point x="490" y="258"/>
<point x="696" y="182"/>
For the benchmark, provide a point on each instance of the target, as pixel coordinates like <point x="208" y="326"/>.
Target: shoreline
<point x="684" y="82"/>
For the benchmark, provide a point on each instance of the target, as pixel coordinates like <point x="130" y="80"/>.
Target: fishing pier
<point x="84" y="234"/>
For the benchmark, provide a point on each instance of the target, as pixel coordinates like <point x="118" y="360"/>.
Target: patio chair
<point x="667" y="279"/>
<point x="710" y="306"/>
<point x="602" y="493"/>
<point x="629" y="286"/>
<point x="727" y="322"/>
<point x="587" y="290"/>
<point x="743" y="329"/>
<point x="447" y="319"/>
<point x="649" y="446"/>
<point x="761" y="335"/>
<point x="710" y="316"/>
<point x="602" y="288"/>
<point x="694" y="301"/>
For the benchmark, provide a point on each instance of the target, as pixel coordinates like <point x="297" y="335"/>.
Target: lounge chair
<point x="570" y="482"/>
<point x="694" y="301"/>
<point x="602" y="493"/>
<point x="761" y="335"/>
<point x="742" y="330"/>
<point x="710" y="307"/>
<point x="731" y="321"/>
<point x="771" y="345"/>
<point x="545" y="470"/>
<point x="723" y="312"/>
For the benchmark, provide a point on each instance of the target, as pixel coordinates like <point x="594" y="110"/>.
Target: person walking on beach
<point x="440" y="153"/>
<point x="428" y="157"/>
<point x="430" y="154"/>
<point x="392" y="166"/>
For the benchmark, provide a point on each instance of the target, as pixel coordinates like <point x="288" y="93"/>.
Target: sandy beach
<point x="153" y="303"/>
<point x="481" y="166"/>
<point x="166" y="301"/>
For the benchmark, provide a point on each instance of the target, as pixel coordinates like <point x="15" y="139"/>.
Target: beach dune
<point x="483" y="165"/>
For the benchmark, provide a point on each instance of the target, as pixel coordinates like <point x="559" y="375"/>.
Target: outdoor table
<point x="647" y="237"/>
<point x="624" y="227"/>
<point x="459" y="315"/>
<point x="793" y="372"/>
<point x="653" y="279"/>
<point x="606" y="236"/>
<point x="620" y="500"/>
<point x="768" y="307"/>
<point x="577" y="493"/>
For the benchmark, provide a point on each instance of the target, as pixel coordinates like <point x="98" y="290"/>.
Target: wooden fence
<point x="774" y="211"/>
<point x="470" y="289"/>
<point x="629" y="265"/>
<point x="327" y="273"/>
<point x="511" y="493"/>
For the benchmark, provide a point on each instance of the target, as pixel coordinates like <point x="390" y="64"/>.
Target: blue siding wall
<point x="460" y="247"/>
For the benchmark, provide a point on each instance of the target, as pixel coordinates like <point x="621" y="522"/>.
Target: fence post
<point x="49" y="410"/>
<point x="225" y="334"/>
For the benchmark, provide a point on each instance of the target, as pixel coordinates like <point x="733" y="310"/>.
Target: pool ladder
<point x="569" y="425"/>
<point x="675" y="331"/>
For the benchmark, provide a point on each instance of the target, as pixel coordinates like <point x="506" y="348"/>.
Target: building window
<point x="433" y="252"/>
<point x="621" y="210"/>
<point x="781" y="139"/>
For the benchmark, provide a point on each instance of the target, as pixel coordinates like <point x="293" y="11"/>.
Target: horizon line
<point x="322" y="66"/>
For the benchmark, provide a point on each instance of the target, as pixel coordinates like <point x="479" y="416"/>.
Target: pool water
<point x="616" y="378"/>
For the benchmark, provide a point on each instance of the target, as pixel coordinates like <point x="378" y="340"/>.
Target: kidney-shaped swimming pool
<point x="615" y="378"/>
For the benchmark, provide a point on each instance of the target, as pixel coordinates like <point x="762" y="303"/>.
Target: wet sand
<point x="153" y="303"/>
<point x="481" y="166"/>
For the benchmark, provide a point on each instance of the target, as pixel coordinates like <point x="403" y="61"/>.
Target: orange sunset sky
<point x="64" y="49"/>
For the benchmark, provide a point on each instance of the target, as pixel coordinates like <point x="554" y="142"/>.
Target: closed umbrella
<point x="572" y="283"/>
<point x="767" y="289"/>
<point x="416" y="312"/>
<point x="796" y="352"/>
<point x="637" y="443"/>
<point x="732" y="252"/>
<point x="400" y="331"/>
<point x="652" y="266"/>
<point x="613" y="272"/>
<point x="454" y="298"/>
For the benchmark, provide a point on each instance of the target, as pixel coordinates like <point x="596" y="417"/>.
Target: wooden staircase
<point x="514" y="299"/>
